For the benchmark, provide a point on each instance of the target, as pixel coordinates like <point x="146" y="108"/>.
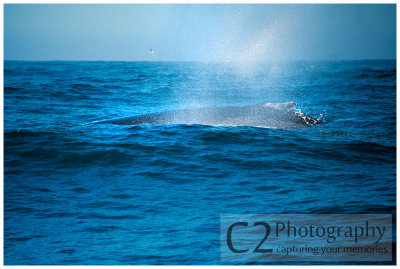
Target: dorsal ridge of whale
<point x="268" y="115"/>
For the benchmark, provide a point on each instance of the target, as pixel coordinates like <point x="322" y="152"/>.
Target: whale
<point x="267" y="115"/>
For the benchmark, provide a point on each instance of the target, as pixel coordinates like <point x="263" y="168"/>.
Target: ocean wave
<point x="368" y="73"/>
<point x="92" y="190"/>
<point x="12" y="89"/>
<point x="28" y="133"/>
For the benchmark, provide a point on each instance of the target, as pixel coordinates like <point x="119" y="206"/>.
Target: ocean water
<point x="79" y="193"/>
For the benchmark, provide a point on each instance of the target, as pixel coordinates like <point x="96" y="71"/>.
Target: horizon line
<point x="199" y="61"/>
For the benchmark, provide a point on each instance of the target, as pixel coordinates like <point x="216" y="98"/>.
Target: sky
<point x="211" y="33"/>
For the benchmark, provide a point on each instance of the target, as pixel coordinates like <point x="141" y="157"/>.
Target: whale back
<point x="269" y="115"/>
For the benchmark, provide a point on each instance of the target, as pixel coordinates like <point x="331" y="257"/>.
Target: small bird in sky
<point x="151" y="51"/>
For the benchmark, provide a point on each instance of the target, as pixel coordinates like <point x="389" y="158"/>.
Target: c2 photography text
<point x="319" y="237"/>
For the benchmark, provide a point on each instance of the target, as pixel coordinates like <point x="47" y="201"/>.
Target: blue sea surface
<point x="78" y="193"/>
